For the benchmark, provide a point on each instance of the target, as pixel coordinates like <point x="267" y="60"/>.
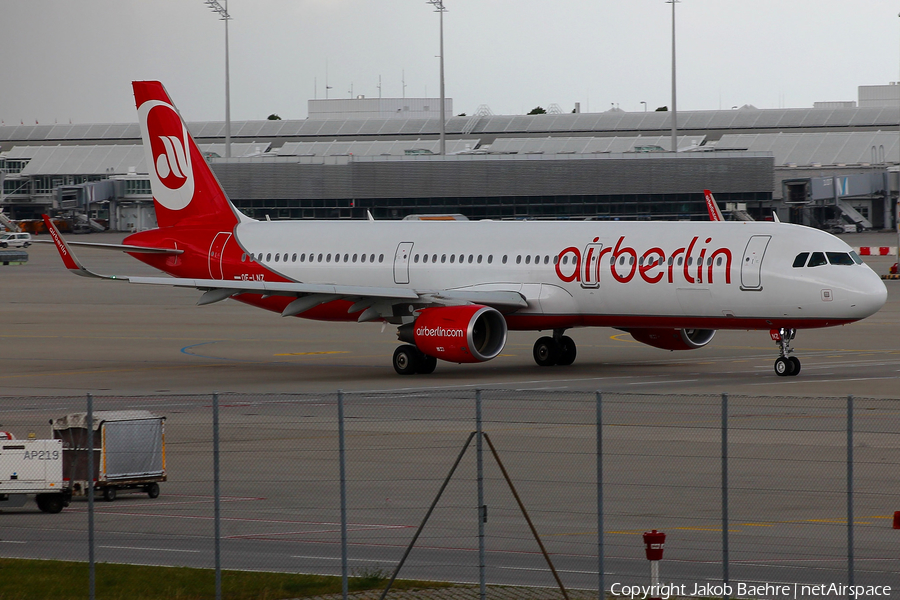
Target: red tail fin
<point x="185" y="190"/>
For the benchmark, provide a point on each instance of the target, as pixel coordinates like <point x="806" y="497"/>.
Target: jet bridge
<point x="850" y="199"/>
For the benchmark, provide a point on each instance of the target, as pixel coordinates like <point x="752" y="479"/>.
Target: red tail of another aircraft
<point x="185" y="190"/>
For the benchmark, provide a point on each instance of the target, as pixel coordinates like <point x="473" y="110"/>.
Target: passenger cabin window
<point x="817" y="259"/>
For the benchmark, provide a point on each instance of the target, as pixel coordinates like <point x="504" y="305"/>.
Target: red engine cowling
<point x="673" y="339"/>
<point x="460" y="334"/>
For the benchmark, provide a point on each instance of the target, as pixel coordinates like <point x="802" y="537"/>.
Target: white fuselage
<point x="591" y="272"/>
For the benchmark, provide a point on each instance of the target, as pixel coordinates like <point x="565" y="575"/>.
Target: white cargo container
<point x="33" y="467"/>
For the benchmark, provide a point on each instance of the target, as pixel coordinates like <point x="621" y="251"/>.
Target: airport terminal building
<point x="821" y="166"/>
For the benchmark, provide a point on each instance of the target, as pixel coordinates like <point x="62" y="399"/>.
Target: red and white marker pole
<point x="654" y="541"/>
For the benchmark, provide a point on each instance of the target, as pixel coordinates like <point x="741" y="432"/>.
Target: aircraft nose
<point x="871" y="295"/>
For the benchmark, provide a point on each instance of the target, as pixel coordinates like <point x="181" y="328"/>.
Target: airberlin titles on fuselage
<point x="653" y="266"/>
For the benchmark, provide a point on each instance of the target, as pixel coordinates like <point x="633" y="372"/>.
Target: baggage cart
<point x="128" y="449"/>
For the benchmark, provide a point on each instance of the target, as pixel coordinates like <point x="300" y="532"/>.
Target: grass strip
<point x="22" y="579"/>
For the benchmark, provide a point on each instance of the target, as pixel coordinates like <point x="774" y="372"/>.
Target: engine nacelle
<point x="673" y="339"/>
<point x="460" y="334"/>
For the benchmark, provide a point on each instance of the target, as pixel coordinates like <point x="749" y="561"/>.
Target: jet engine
<point x="460" y="334"/>
<point x="673" y="339"/>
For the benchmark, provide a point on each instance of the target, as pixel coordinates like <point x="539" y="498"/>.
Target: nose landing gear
<point x="785" y="365"/>
<point x="557" y="350"/>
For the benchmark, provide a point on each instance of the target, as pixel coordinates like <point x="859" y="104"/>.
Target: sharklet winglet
<point x="70" y="260"/>
<point x="714" y="213"/>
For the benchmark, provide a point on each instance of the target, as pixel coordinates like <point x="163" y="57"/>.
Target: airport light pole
<point x="439" y="7"/>
<point x="224" y="16"/>
<point x="674" y="107"/>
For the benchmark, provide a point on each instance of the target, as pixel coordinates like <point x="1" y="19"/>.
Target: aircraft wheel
<point x="783" y="367"/>
<point x="567" y="351"/>
<point x="546" y="352"/>
<point x="427" y="364"/>
<point x="795" y="362"/>
<point x="406" y="359"/>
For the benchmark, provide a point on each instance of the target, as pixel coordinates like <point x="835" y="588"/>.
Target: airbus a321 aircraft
<point x="455" y="288"/>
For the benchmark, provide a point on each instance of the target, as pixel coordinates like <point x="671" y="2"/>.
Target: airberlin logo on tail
<point x="167" y="146"/>
<point x="172" y="162"/>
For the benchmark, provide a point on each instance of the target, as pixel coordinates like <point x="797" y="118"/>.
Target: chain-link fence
<point x="751" y="490"/>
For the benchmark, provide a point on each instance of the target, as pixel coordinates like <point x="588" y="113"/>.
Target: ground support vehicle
<point x="128" y="449"/>
<point x="33" y="468"/>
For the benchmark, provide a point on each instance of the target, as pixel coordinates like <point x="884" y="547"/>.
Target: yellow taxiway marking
<point x="312" y="353"/>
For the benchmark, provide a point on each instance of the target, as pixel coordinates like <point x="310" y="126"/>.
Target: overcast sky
<point x="67" y="60"/>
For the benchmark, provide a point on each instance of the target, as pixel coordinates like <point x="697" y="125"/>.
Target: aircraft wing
<point x="308" y="294"/>
<point x="121" y="247"/>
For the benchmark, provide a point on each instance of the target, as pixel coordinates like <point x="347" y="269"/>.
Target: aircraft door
<point x="590" y="266"/>
<point x="216" y="253"/>
<point x="751" y="263"/>
<point x="401" y="262"/>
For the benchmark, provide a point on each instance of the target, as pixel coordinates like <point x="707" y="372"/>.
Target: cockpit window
<point x="839" y="258"/>
<point x="817" y="259"/>
<point x="856" y="258"/>
<point x="801" y="259"/>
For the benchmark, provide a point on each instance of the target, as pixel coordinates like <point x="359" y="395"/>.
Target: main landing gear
<point x="785" y="365"/>
<point x="409" y="360"/>
<point x="557" y="350"/>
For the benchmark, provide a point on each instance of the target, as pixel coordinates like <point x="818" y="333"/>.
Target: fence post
<point x="850" y="567"/>
<point x="482" y="509"/>
<point x="92" y="590"/>
<point x="600" y="529"/>
<point x="217" y="504"/>
<point x="725" y="488"/>
<point x="343" y="468"/>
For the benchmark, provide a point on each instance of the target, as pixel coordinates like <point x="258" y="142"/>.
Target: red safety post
<point x="654" y="541"/>
<point x="897" y="520"/>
